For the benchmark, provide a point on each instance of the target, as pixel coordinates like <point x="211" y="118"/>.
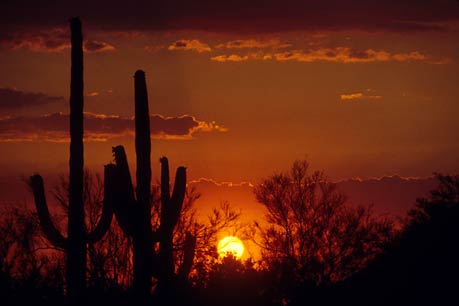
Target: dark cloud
<point x="180" y="44"/>
<point x="48" y="40"/>
<point x="235" y="16"/>
<point x="13" y="99"/>
<point x="99" y="127"/>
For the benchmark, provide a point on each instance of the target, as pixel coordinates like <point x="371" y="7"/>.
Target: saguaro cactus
<point x="76" y="255"/>
<point x="134" y="212"/>
<point x="77" y="238"/>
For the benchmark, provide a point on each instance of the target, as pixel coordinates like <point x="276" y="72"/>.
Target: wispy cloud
<point x="254" y="44"/>
<point x="100" y="127"/>
<point x="92" y="94"/>
<point x="347" y="55"/>
<point x="360" y="96"/>
<point x="210" y="181"/>
<point x="95" y="46"/>
<point x="51" y="40"/>
<point x="189" y="45"/>
<point x="338" y="55"/>
<point x="230" y="58"/>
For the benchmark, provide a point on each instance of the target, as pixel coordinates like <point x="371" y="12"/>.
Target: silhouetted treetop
<point x="312" y="233"/>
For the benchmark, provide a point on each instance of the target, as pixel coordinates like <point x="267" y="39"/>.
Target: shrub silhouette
<point x="27" y="272"/>
<point x="109" y="261"/>
<point x="234" y="282"/>
<point x="421" y="266"/>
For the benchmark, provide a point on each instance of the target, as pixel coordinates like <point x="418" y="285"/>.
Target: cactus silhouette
<point x="77" y="237"/>
<point x="133" y="212"/>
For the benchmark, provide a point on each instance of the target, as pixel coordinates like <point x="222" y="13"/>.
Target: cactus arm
<point x="165" y="192"/>
<point x="107" y="209"/>
<point x="122" y="198"/>
<point x="124" y="180"/>
<point x="178" y="195"/>
<point x="188" y="258"/>
<point x="51" y="232"/>
<point x="142" y="141"/>
<point x="171" y="206"/>
<point x="170" y="214"/>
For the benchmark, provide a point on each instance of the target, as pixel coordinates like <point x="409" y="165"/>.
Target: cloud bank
<point x="100" y="127"/>
<point x="14" y="99"/>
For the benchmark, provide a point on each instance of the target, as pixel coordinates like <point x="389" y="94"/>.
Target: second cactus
<point x="133" y="210"/>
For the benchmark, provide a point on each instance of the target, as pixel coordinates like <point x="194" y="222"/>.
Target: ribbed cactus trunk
<point x="142" y="241"/>
<point x="76" y="257"/>
<point x="77" y="238"/>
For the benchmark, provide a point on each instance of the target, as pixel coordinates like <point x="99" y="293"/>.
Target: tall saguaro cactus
<point x="77" y="238"/>
<point x="76" y="255"/>
<point x="142" y="277"/>
<point x="133" y="212"/>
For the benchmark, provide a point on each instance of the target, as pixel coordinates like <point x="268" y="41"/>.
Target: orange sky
<point x="359" y="92"/>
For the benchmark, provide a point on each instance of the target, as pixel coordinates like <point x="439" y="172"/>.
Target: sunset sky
<point x="238" y="89"/>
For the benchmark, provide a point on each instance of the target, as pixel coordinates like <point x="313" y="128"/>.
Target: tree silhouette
<point x="28" y="272"/>
<point x="420" y="266"/>
<point x="220" y="220"/>
<point x="109" y="265"/>
<point x="313" y="235"/>
<point x="234" y="282"/>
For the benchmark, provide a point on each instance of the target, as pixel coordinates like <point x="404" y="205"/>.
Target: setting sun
<point x="230" y="245"/>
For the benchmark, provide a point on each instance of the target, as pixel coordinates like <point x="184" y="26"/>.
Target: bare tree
<point x="109" y="260"/>
<point x="25" y="260"/>
<point x="312" y="234"/>
<point x="222" y="219"/>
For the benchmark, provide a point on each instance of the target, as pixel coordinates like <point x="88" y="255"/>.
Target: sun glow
<point x="230" y="245"/>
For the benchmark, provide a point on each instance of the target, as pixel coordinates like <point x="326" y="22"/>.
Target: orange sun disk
<point x="230" y="245"/>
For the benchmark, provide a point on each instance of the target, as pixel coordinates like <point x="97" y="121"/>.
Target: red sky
<point x="238" y="90"/>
